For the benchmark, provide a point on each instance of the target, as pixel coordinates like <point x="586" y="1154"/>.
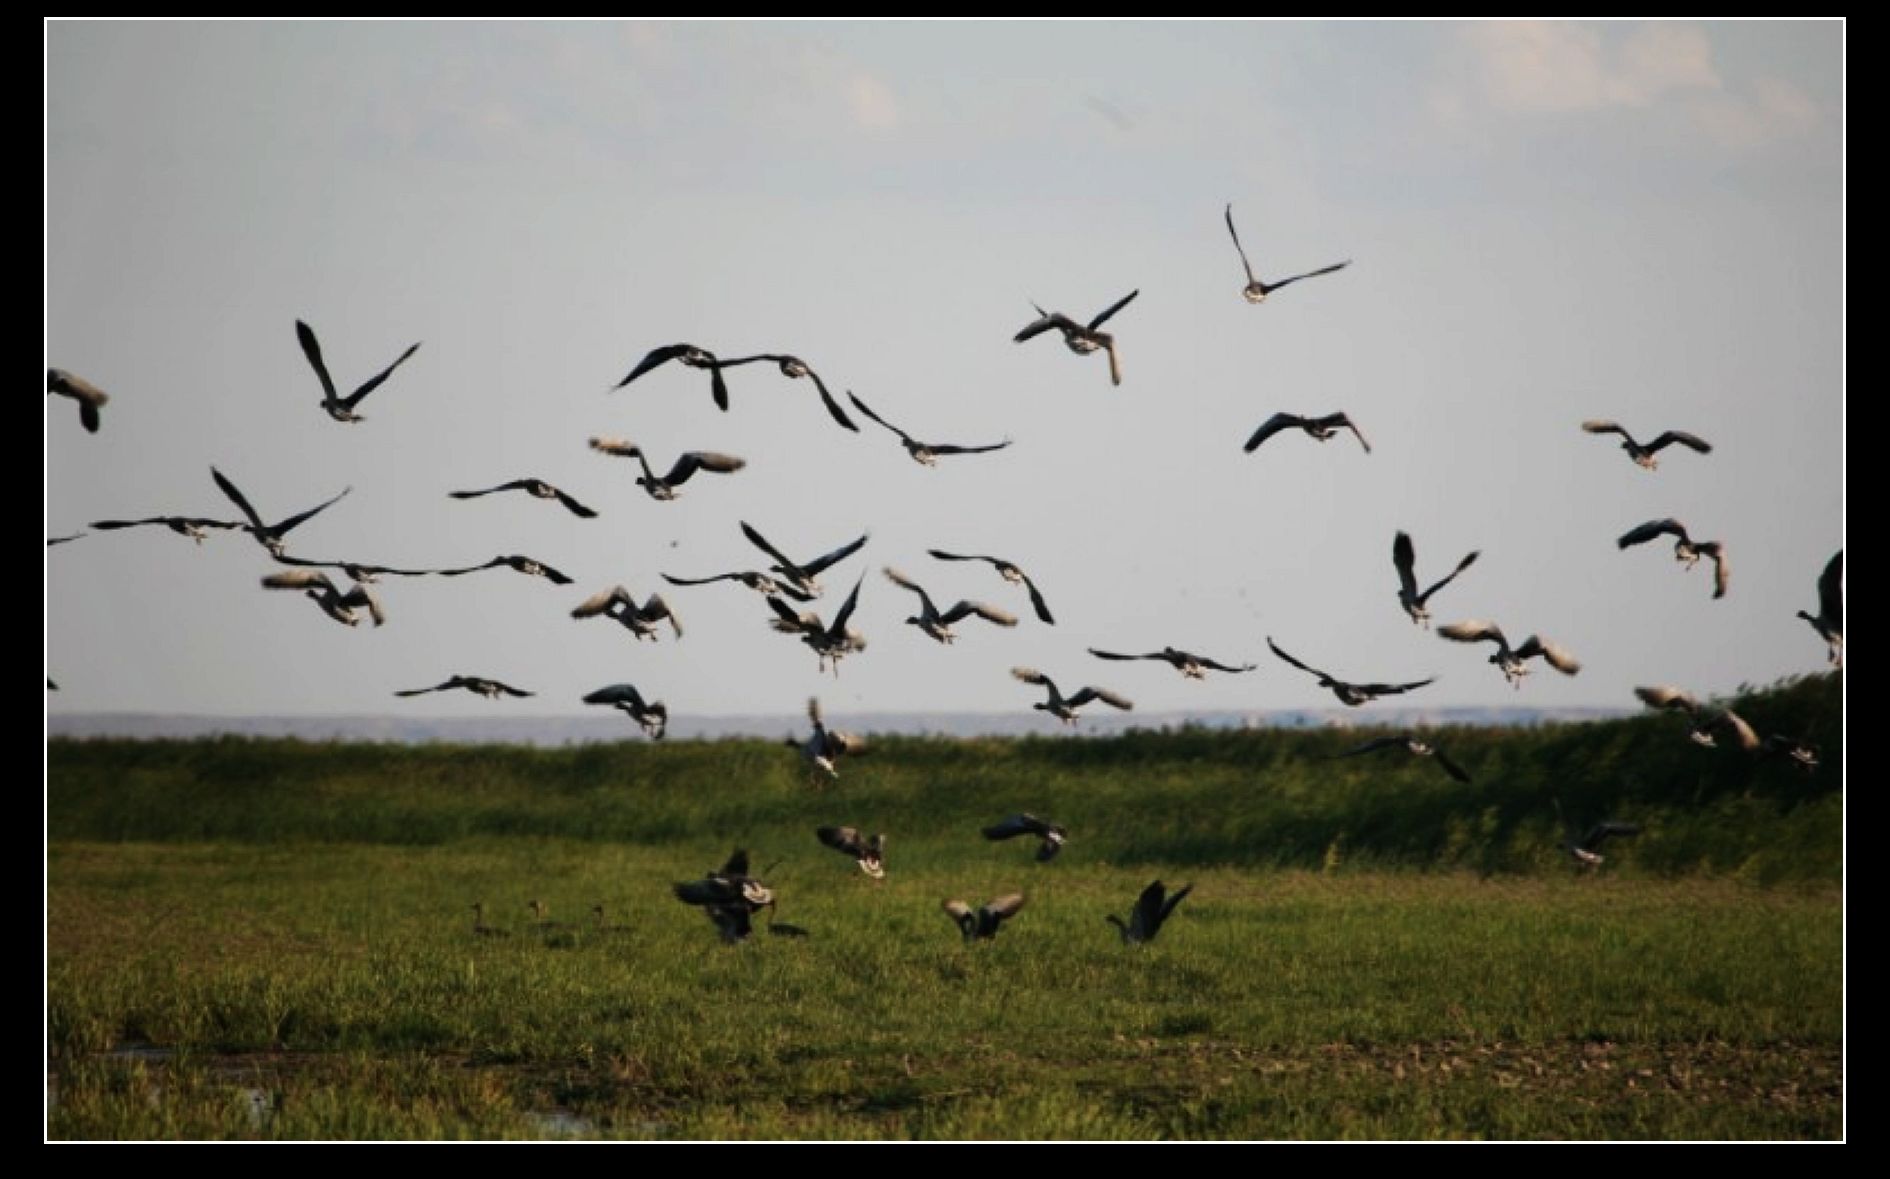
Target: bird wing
<point x="790" y="619"/>
<point x="1110" y="310"/>
<point x="1114" y="655"/>
<point x="313" y="350"/>
<point x="1021" y="824"/>
<point x="704" y="460"/>
<point x="1085" y="695"/>
<point x="839" y="626"/>
<point x="1174" y="898"/>
<point x="959" y="910"/>
<point x="1274" y="286"/>
<point x="1556" y="657"/>
<point x="283" y="528"/>
<point x="508" y="689"/>
<point x="843" y="839"/>
<point x="1597" y="426"/>
<point x="361" y="595"/>
<point x="656" y="356"/>
<point x="1722" y="567"/>
<point x="718" y="388"/>
<point x="1730" y="722"/>
<point x="1664" y="697"/>
<point x="952" y="448"/>
<point x="986" y="612"/>
<point x="1003" y="907"/>
<point x="1378" y="743"/>
<point x="1831" y="592"/>
<point x="236" y="497"/>
<point x="1244" y="264"/>
<point x="621" y="447"/>
<point x="1036" y="600"/>
<point x="833" y="407"/>
<point x="761" y="542"/>
<point x="865" y="409"/>
<point x="702" y="580"/>
<point x="1404" y="557"/>
<point x="617" y="694"/>
<point x="1473" y="631"/>
<point x="1393" y="689"/>
<point x="602" y="601"/>
<point x="1449" y="577"/>
<point x="1341" y="419"/>
<point x="1115" y="361"/>
<point x="1296" y="663"/>
<point x="903" y="582"/>
<point x="1210" y="664"/>
<point x="1600" y="833"/>
<point x="1450" y="767"/>
<point x="423" y="691"/>
<point x="573" y="506"/>
<point x="550" y="574"/>
<point x="374" y="382"/>
<point x="1690" y="441"/>
<point x="298" y="579"/>
<point x="514" y="485"/>
<point x="1643" y="533"/>
<point x="737" y="863"/>
<point x="819" y="564"/>
<point x="1270" y="427"/>
<point x="656" y="609"/>
<point x="1044" y="322"/>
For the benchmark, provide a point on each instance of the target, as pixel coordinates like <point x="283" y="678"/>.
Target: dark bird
<point x="269" y="535"/>
<point x="831" y="642"/>
<point x="1686" y="550"/>
<point x="1320" y="428"/>
<point x="1353" y="694"/>
<point x="925" y="453"/>
<point x="690" y="355"/>
<point x="652" y="715"/>
<point x="938" y="624"/>
<point x="824" y="748"/>
<point x="664" y="488"/>
<point x="194" y="527"/>
<point x="1644" y="455"/>
<point x="1052" y="835"/>
<point x="801" y="575"/>
<point x="761" y="583"/>
<point x="518" y="564"/>
<point x="1081" y="339"/>
<point x="617" y="603"/>
<point x="1512" y="662"/>
<point x="1404" y="557"/>
<point x="869" y="853"/>
<point x="344" y="608"/>
<point x="1065" y="709"/>
<point x="1152" y="908"/>
<point x="479" y="923"/>
<point x="1256" y="291"/>
<point x="536" y="487"/>
<point x="490" y="689"/>
<point x="729" y="896"/>
<point x="90" y="397"/>
<point x="342" y="408"/>
<point x="1802" y="755"/>
<point x="1194" y="667"/>
<point x="1587" y="849"/>
<point x="1009" y="572"/>
<point x="794" y="367"/>
<point x="1411" y="744"/>
<point x="541" y="918"/>
<point x="1829" y="621"/>
<point x="983" y="922"/>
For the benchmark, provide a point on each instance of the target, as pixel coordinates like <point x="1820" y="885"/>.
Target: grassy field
<point x="267" y="939"/>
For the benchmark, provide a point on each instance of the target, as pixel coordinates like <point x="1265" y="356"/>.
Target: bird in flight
<point x="1829" y="620"/>
<point x="690" y="355"/>
<point x="536" y="487"/>
<point x="1686" y="550"/>
<point x="1080" y="338"/>
<point x="984" y="921"/>
<point x="1416" y="747"/>
<point x="1319" y="428"/>
<point x="938" y="623"/>
<point x="619" y="604"/>
<point x="1062" y="708"/>
<point x="478" y="685"/>
<point x="1348" y="693"/>
<point x="1256" y="290"/>
<point x="269" y="535"/>
<point x="1009" y="572"/>
<point x="342" y="408"/>
<point x="831" y="641"/>
<point x="1513" y="662"/>
<point x="1404" y="557"/>
<point x="926" y="454"/>
<point x="870" y="854"/>
<point x="801" y="575"/>
<point x="1152" y="909"/>
<point x="793" y="367"/>
<point x="679" y="472"/>
<point x="90" y="397"/>
<point x="1193" y="667"/>
<point x="652" y="715"/>
<point x="1052" y="835"/>
<point x="1644" y="455"/>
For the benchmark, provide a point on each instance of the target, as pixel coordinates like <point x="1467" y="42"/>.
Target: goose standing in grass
<point x="1513" y="663"/>
<point x="1080" y="338"/>
<point x="477" y="685"/>
<point x="1644" y="455"/>
<point x="1320" y="428"/>
<point x="801" y="575"/>
<point x="1256" y="291"/>
<point x="344" y="608"/>
<point x="197" y="528"/>
<point x="1416" y="747"/>
<point x="1064" y="709"/>
<point x="1052" y="835"/>
<point x="1829" y="621"/>
<point x="983" y="922"/>
<point x="730" y="897"/>
<point x="342" y="408"/>
<point x="938" y="624"/>
<point x="794" y="368"/>
<point x="1152" y="908"/>
<point x="270" y="536"/>
<point x="1686" y="550"/>
<point x="680" y="472"/>
<point x="690" y="355"/>
<point x="534" y="487"/>
<point x="924" y="453"/>
<point x="479" y="922"/>
<point x="601" y="924"/>
<point x="1587" y="850"/>
<point x="1404" y="558"/>
<point x="1009" y="572"/>
<point x="516" y="563"/>
<point x="541" y="917"/>
<point x="1193" y="667"/>
<point x="618" y="604"/>
<point x="761" y="583"/>
<point x="831" y="641"/>
<point x="90" y="397"/>
<point x="652" y="715"/>
<point x="824" y="748"/>
<point x="1348" y="693"/>
<point x="870" y="854"/>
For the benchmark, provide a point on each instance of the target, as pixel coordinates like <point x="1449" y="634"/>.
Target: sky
<point x="1546" y="223"/>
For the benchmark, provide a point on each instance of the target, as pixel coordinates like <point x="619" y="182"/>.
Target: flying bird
<point x="761" y="583"/>
<point x="1065" y="709"/>
<point x="1404" y="557"/>
<point x="1194" y="667"/>
<point x="1256" y="290"/>
<point x="617" y="603"/>
<point x="1686" y="550"/>
<point x="690" y="355"/>
<point x="938" y="624"/>
<point x="730" y="897"/>
<point x="1319" y="428"/>
<point x="664" y="488"/>
<point x="870" y="854"/>
<point x="1512" y="662"/>
<point x="269" y="535"/>
<point x="358" y="570"/>
<point x="824" y="748"/>
<point x="1829" y="621"/>
<point x="536" y="487"/>
<point x="652" y="715"/>
<point x="517" y="564"/>
<point x="925" y="453"/>
<point x="1152" y="908"/>
<point x="801" y="575"/>
<point x="794" y="368"/>
<point x="984" y="921"/>
<point x="831" y="642"/>
<point x="1587" y="849"/>
<point x="344" y="608"/>
<point x="342" y="408"/>
<point x="478" y="685"/>
<point x="1009" y="572"/>
<point x="1081" y="339"/>
<point x="1708" y="722"/>
<point x="1052" y="835"/>
<point x="90" y="397"/>
<point x="1416" y="747"/>
<point x="1644" y="455"/>
<point x="1348" y="693"/>
<point x="194" y="527"/>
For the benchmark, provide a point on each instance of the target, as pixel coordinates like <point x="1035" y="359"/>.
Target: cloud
<point x="872" y="103"/>
<point x="1571" y="67"/>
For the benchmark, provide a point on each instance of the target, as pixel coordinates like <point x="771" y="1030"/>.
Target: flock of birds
<point x="731" y="895"/>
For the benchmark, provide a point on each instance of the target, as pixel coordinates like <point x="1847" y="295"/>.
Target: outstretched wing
<point x="1404" y="557"/>
<point x="1393" y="689"/>
<point x="656" y="356"/>
<point x="1450" y="767"/>
<point x="1244" y="264"/>
<point x="1270" y="427"/>
<point x="1598" y="426"/>
<point x="1451" y="576"/>
<point x="1663" y="697"/>
<point x="313" y="351"/>
<point x="761" y="542"/>
<point x="1556" y="657"/>
<point x="702" y="460"/>
<point x="374" y="382"/>
<point x="1643" y="533"/>
<point x="819" y="564"/>
<point x="1020" y="824"/>
<point x="1377" y="744"/>
<point x="1274" y="286"/>
<point x="1690" y="441"/>
<point x="865" y="409"/>
<point x="839" y="626"/>
<point x="986" y="612"/>
<point x="1473" y="631"/>
<point x="1085" y="695"/>
<point x="283" y="528"/>
<point x="1110" y="310"/>
<point x="951" y="448"/>
<point x="1271" y="645"/>
<point x="1044" y="322"/>
<point x="236" y="497"/>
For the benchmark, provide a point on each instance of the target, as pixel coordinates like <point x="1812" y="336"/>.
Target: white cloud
<point x="1576" y="67"/>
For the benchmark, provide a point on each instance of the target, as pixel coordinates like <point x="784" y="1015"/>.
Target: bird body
<point x="345" y="608"/>
<point x="983" y="922"/>
<point x="831" y="641"/>
<point x="730" y="897"/>
<point x="1829" y="620"/>
<point x="824" y="748"/>
<point x="1064" y="708"/>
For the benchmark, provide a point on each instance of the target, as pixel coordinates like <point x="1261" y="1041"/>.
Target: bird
<point x="1829" y="620"/>
<point x="478" y="685"/>
<point x="730" y="896"/>
<point x="1512" y="662"/>
<point x="525" y="565"/>
<point x="269" y="535"/>
<point x="344" y="608"/>
<point x="1587" y="849"/>
<point x="602" y="925"/>
<point x="90" y="397"/>
<point x="1152" y="908"/>
<point x="679" y="472"/>
<point x="1404" y="557"/>
<point x="541" y="917"/>
<point x="761" y="583"/>
<point x="1065" y="709"/>
<point x="617" y="603"/>
<point x="1009" y="572"/>
<point x="479" y="923"/>
<point x="1081" y="339"/>
<point x="652" y="715"/>
<point x="794" y="367"/>
<point x="1644" y="455"/>
<point x="690" y="355"/>
<point x="824" y="748"/>
<point x="1052" y="835"/>
<point x="924" y="453"/>
<point x="1802" y="755"/>
<point x="801" y="575"/>
<point x="1193" y="667"/>
<point x="360" y="571"/>
<point x="1352" y="694"/>
<point x="196" y="528"/>
<point x="1256" y="291"/>
<point x="1417" y="747"/>
<point x="831" y="642"/>
<point x="1686" y="550"/>
<point x="931" y="621"/>
<point x="537" y="487"/>
<point x="869" y="853"/>
<point x="1706" y="720"/>
<point x="984" y="921"/>
<point x="342" y="408"/>
<point x="1320" y="428"/>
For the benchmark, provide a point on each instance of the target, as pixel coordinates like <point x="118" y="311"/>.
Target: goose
<point x="794" y="368"/>
<point x="869" y="853"/>
<point x="1052" y="835"/>
<point x="197" y="528"/>
<point x="269" y="535"/>
<point x="478" y="685"/>
<point x="801" y="575"/>
<point x="824" y="748"/>
<point x="1352" y="694"/>
<point x="479" y="923"/>
<point x="1152" y="908"/>
<point x="344" y="608"/>
<point x="601" y="925"/>
<point x="1644" y="455"/>
<point x="1415" y="746"/>
<point x="931" y="621"/>
<point x="1686" y="550"/>
<point x="535" y="487"/>
<point x="342" y="408"/>
<point x="1802" y="755"/>
<point x="1065" y="709"/>
<point x="541" y="917"/>
<point x="90" y="397"/>
<point x="1587" y="850"/>
<point x="1256" y="291"/>
<point x="1009" y="572"/>
<point x="985" y="920"/>
<point x="690" y="355"/>
<point x="1404" y="557"/>
<point x="618" y="604"/>
<point x="1319" y="428"/>
<point x="652" y="715"/>
<point x="1193" y="667"/>
<point x="1829" y="621"/>
<point x="926" y="454"/>
<point x="1706" y="720"/>
<point x="680" y="472"/>
<point x="730" y="896"/>
<point x="831" y="642"/>
<point x="1081" y="339"/>
<point x="761" y="583"/>
<point x="1512" y="662"/>
<point x="516" y="563"/>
